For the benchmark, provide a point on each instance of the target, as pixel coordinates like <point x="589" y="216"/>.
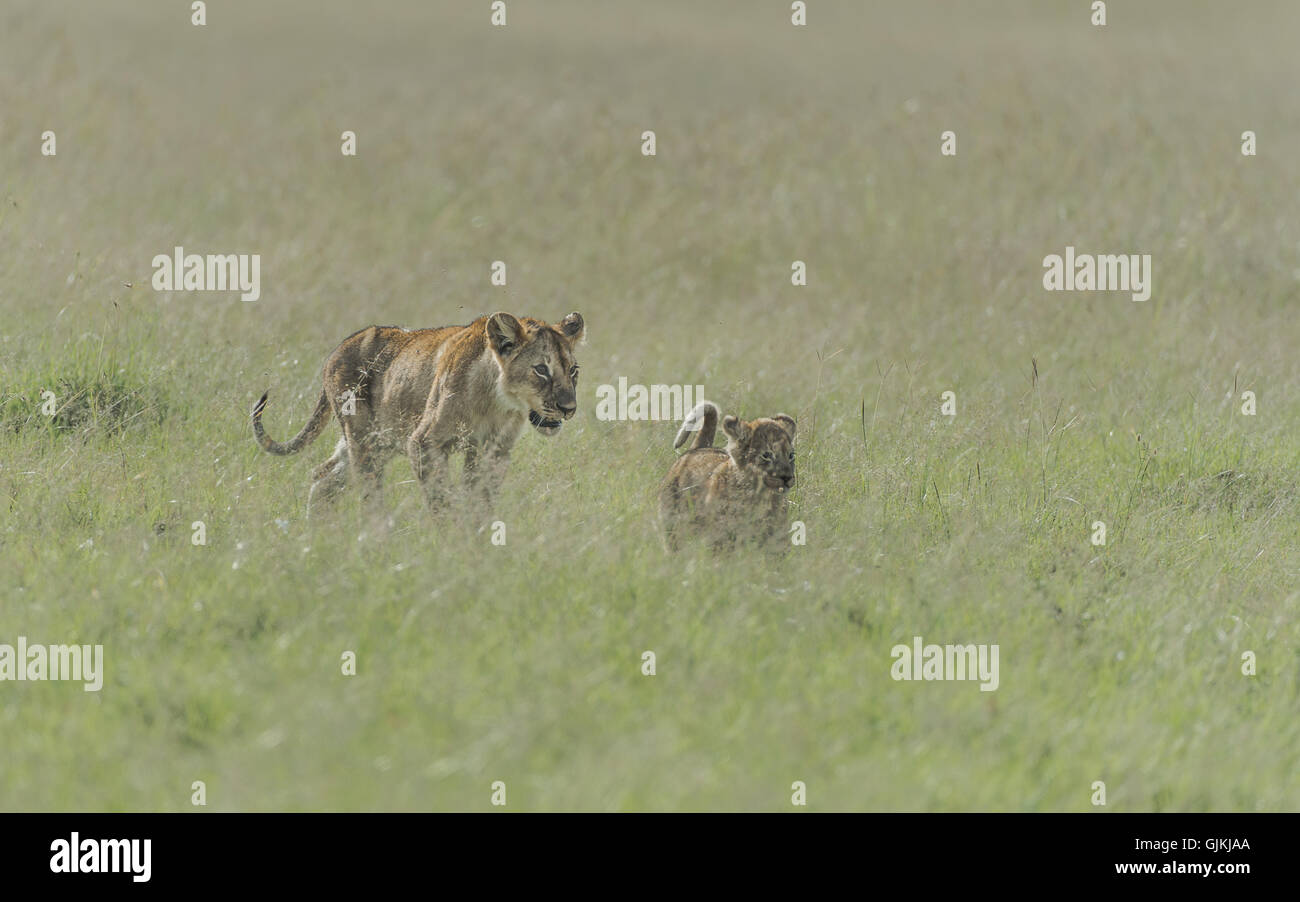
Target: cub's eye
<point x="767" y="457"/>
<point x="542" y="370"/>
<point x="573" y="373"/>
<point x="792" y="455"/>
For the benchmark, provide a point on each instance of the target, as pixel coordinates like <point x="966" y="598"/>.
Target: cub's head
<point x="763" y="448"/>
<point x="538" y="370"/>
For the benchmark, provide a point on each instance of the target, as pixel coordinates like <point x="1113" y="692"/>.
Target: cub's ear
<point x="573" y="328"/>
<point x="504" y="333"/>
<point x="736" y="429"/>
<point x="785" y="422"/>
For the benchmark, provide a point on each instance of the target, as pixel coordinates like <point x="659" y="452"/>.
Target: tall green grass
<point x="523" y="662"/>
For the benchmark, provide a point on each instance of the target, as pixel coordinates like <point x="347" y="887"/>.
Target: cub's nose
<point x="568" y="408"/>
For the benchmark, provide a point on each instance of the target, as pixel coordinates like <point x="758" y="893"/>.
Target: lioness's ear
<point x="736" y="429"/>
<point x="573" y="327"/>
<point x="504" y="333"/>
<point x="786" y="423"/>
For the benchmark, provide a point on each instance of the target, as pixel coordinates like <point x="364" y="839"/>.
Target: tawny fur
<point x="739" y="494"/>
<point x="429" y="393"/>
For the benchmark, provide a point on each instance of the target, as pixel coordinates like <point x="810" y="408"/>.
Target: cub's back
<point x="691" y="471"/>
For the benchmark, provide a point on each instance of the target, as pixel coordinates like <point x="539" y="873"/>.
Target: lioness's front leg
<point x="485" y="470"/>
<point x="429" y="461"/>
<point x="496" y="462"/>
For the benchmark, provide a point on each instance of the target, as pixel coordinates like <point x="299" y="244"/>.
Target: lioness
<point x="431" y="392"/>
<point x="739" y="493"/>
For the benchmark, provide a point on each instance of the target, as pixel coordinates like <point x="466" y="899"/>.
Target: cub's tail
<point x="319" y="419"/>
<point x="703" y="421"/>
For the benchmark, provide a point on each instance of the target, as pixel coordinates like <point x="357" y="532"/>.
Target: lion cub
<point x="736" y="494"/>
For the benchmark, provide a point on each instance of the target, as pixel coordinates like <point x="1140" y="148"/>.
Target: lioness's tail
<point x="320" y="418"/>
<point x="703" y="421"/>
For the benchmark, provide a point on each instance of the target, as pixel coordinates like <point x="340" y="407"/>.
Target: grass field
<point x="1119" y="663"/>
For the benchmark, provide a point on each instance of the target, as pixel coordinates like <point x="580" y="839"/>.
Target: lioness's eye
<point x="792" y="455"/>
<point x="542" y="370"/>
<point x="573" y="373"/>
<point x="767" y="455"/>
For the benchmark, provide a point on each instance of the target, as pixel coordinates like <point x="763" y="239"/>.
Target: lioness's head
<point x="538" y="369"/>
<point x="763" y="448"/>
